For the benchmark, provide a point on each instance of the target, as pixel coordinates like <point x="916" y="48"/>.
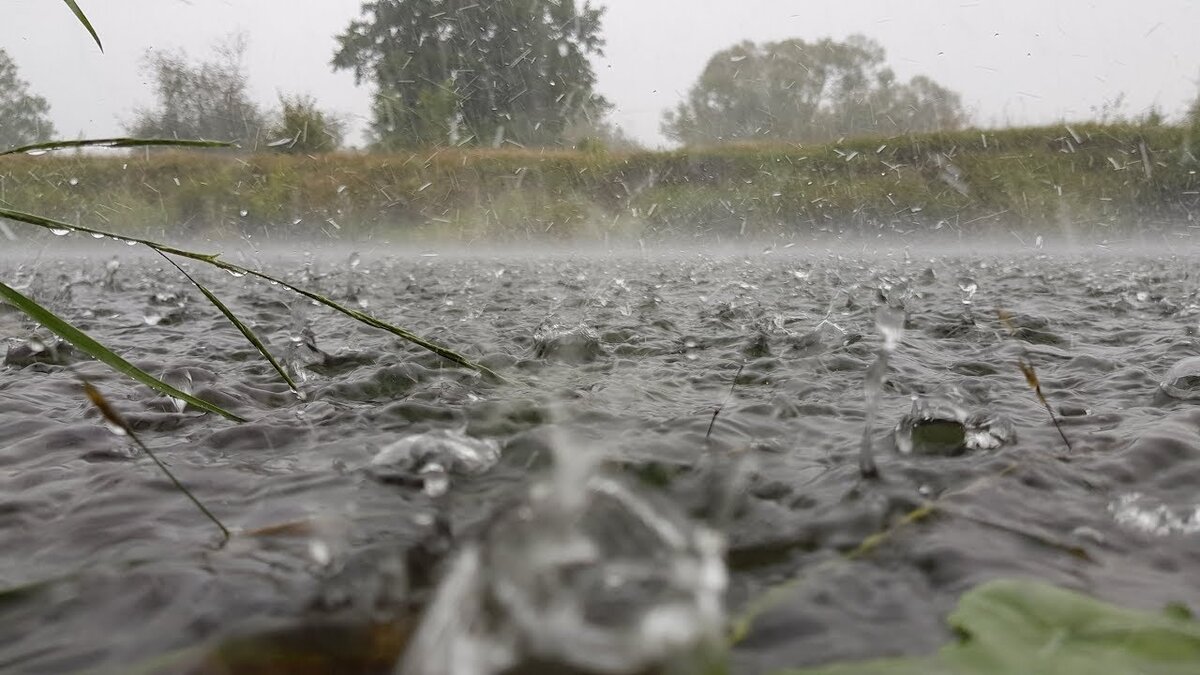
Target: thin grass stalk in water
<point x="113" y="417"/>
<point x="238" y="270"/>
<point x="717" y="410"/>
<point x="237" y="323"/>
<point x="740" y="626"/>
<point x="91" y="347"/>
<point x="1031" y="378"/>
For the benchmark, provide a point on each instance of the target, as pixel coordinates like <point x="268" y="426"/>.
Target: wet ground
<point x="628" y="354"/>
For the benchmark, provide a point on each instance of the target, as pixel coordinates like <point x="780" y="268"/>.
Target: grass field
<point x="1085" y="178"/>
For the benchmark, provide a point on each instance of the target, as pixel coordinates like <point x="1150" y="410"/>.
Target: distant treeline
<point x="1086" y="179"/>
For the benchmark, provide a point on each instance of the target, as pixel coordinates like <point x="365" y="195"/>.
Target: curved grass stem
<point x="212" y="259"/>
<point x="113" y="417"/>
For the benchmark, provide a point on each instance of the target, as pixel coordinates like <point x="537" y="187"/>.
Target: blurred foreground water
<point x="408" y="516"/>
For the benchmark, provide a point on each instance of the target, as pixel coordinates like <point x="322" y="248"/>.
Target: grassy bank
<point x="1085" y="179"/>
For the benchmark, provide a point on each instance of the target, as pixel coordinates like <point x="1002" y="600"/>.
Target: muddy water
<point x="103" y="565"/>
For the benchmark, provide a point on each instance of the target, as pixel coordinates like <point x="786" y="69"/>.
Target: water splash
<point x="583" y="575"/>
<point x="889" y="321"/>
<point x="938" y="426"/>
<point x="1182" y="380"/>
<point x="1139" y="512"/>
<point x="431" y="458"/>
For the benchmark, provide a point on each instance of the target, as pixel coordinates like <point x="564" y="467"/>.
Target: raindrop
<point x="60" y="231"/>
<point x="73" y="182"/>
<point x="152" y="318"/>
<point x="968" y="287"/>
<point x="115" y="429"/>
<point x="243" y="213"/>
<point x="319" y="552"/>
<point x="436" y="482"/>
<point x="97" y="235"/>
<point x="236" y="274"/>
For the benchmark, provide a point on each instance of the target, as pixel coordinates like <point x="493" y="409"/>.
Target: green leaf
<point x="117" y="143"/>
<point x="85" y="343"/>
<point x="1017" y="626"/>
<point x="84" y="20"/>
<point x="245" y="330"/>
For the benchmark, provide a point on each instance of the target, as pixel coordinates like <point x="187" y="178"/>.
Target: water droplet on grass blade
<point x="236" y="274"/>
<point x="60" y="231"/>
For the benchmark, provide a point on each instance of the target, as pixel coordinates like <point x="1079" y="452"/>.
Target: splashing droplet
<point x="1183" y="380"/>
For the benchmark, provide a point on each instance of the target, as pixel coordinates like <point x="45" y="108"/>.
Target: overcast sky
<point x="1013" y="61"/>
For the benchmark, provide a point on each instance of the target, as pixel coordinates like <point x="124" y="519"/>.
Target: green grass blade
<point x="103" y="354"/>
<point x="245" y="330"/>
<point x="118" y="143"/>
<point x="441" y="351"/>
<point x="84" y="20"/>
<point x="52" y="224"/>
<point x="110" y="413"/>
<point x="212" y="259"/>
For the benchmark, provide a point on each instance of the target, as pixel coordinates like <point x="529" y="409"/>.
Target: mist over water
<point x="622" y="353"/>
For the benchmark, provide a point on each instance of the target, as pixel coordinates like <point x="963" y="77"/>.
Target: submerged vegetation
<point x="1062" y="180"/>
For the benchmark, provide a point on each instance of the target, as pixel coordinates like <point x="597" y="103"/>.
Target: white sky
<point x="1013" y="61"/>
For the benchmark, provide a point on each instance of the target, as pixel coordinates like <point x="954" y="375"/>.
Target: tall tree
<point x="802" y="91"/>
<point x="475" y="71"/>
<point x="207" y="99"/>
<point x="23" y="116"/>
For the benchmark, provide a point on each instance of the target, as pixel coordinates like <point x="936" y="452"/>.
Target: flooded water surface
<point x="589" y="511"/>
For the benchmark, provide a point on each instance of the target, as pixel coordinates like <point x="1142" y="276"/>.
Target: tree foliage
<point x="207" y="99"/>
<point x="23" y="116"/>
<point x="303" y="128"/>
<point x="474" y="72"/>
<point x="808" y="91"/>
